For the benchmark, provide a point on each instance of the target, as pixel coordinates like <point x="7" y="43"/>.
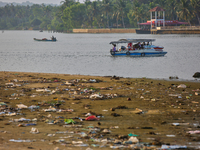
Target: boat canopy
<point x="131" y="41"/>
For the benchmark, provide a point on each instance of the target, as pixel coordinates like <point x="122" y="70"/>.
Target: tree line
<point x="97" y="14"/>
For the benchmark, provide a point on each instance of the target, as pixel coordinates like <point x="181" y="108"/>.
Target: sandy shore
<point x="151" y="113"/>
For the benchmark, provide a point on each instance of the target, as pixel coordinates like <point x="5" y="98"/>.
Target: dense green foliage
<point x="96" y="14"/>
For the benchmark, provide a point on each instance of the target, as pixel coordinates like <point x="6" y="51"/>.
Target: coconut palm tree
<point x="184" y="10"/>
<point x="136" y="10"/>
<point x="171" y="9"/>
<point x="107" y="7"/>
<point x="196" y="9"/>
<point x="121" y="4"/>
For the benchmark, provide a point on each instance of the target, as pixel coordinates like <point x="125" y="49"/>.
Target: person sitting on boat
<point x="129" y="46"/>
<point x="138" y="45"/>
<point x="123" y="48"/>
<point x="114" y="48"/>
<point x="133" y="47"/>
<point x="142" y="45"/>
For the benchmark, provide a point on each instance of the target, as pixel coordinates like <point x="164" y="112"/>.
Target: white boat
<point x="136" y="48"/>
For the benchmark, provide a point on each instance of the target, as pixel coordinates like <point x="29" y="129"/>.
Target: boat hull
<point x="139" y="53"/>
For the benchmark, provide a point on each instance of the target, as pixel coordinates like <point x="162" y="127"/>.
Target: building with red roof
<point x="157" y="21"/>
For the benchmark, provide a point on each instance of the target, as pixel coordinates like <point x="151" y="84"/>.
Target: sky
<point x="37" y="1"/>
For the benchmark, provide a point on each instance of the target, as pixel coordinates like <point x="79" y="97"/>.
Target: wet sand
<point x="147" y="108"/>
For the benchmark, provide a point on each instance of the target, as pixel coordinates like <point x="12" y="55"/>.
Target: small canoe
<point x="45" y="40"/>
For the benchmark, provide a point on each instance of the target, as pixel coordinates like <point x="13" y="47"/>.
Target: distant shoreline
<point x="92" y="76"/>
<point x="191" y="30"/>
<point x="175" y="30"/>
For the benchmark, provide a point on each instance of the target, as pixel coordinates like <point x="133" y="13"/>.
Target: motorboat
<point x="45" y="39"/>
<point x="136" y="48"/>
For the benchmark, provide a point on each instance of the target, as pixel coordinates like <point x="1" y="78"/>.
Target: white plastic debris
<point x="13" y="140"/>
<point x="9" y="84"/>
<point x="88" y="114"/>
<point x="171" y="135"/>
<point x="182" y="86"/>
<point x="21" y="119"/>
<point x="133" y="139"/>
<point x="175" y="124"/>
<point x="77" y="142"/>
<point x="194" y="132"/>
<point x="11" y="114"/>
<point x="43" y="90"/>
<point x="92" y="80"/>
<point x="106" y="131"/>
<point x="15" y="80"/>
<point x="96" y="96"/>
<point x="172" y="146"/>
<point x="33" y="107"/>
<point x="68" y="83"/>
<point x="21" y="106"/>
<point x="89" y="148"/>
<point x="50" y="109"/>
<point x="34" y="130"/>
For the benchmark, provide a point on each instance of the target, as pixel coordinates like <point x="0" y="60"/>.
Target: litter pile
<point x="97" y="112"/>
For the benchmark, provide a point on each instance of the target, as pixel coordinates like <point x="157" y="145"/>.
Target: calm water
<point x="88" y="54"/>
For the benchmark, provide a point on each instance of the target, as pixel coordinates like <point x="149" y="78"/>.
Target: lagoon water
<point x="88" y="54"/>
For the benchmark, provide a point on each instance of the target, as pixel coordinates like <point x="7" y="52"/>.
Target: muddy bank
<point x="49" y="111"/>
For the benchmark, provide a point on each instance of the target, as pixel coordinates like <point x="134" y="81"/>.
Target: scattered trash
<point x="133" y="140"/>
<point x="180" y="105"/>
<point x="69" y="121"/>
<point x="82" y="145"/>
<point x="50" y="109"/>
<point x="21" y="106"/>
<point x="50" y="135"/>
<point x="194" y="132"/>
<point x="180" y="124"/>
<point x="34" y="130"/>
<point x="21" y="120"/>
<point x="175" y="95"/>
<point x="106" y="131"/>
<point x="33" y="107"/>
<point x="173" y="147"/>
<point x="73" y="126"/>
<point x="2" y="104"/>
<point x="96" y="96"/>
<point x="43" y="90"/>
<point x="182" y="86"/>
<point x="130" y="134"/>
<point x="56" y="148"/>
<point x="13" y="140"/>
<point x="89" y="148"/>
<point x="92" y="118"/>
<point x="171" y="135"/>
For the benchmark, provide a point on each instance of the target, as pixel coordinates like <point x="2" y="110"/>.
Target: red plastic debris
<point x="91" y="118"/>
